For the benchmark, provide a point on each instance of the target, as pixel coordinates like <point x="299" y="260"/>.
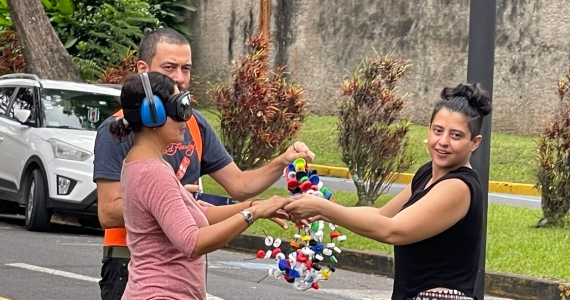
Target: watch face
<point x="248" y="216"/>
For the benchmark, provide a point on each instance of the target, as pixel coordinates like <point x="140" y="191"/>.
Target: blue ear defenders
<point x="152" y="111"/>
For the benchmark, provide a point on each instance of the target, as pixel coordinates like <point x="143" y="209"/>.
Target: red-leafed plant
<point x="372" y="136"/>
<point x="117" y="74"/>
<point x="554" y="160"/>
<point x="11" y="57"/>
<point x="260" y="112"/>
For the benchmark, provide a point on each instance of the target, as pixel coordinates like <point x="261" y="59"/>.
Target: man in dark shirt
<point x="165" y="50"/>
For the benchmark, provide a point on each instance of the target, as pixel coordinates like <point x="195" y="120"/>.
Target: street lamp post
<point x="480" y="68"/>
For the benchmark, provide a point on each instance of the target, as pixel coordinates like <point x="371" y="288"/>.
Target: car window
<point x="77" y="109"/>
<point x="5" y="96"/>
<point x="24" y="100"/>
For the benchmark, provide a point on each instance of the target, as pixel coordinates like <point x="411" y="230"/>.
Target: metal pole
<point x="480" y="68"/>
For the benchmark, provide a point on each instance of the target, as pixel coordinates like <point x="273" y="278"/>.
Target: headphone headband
<point x="149" y="95"/>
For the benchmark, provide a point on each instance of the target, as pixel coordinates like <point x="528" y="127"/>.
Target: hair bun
<point x="477" y="97"/>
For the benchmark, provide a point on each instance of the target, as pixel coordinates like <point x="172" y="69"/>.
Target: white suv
<point x="47" y="135"/>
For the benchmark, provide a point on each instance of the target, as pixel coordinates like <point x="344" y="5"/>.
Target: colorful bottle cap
<point x="315" y="226"/>
<point x="332" y="226"/>
<point x="300" y="162"/>
<point x="283" y="264"/>
<point x="333" y="235"/>
<point x="260" y="254"/>
<point x="318" y="194"/>
<point x="305" y="186"/>
<point x="330" y="245"/>
<point x="268" y="254"/>
<point x="314" y="179"/>
<point x="275" y="251"/>
<point x="277" y="243"/>
<point x="294" y="273"/>
<point x="327" y="252"/>
<point x="279" y="256"/>
<point x="333" y="259"/>
<point x="337" y="249"/>
<point x="292" y="175"/>
<point x="292" y="184"/>
<point x="268" y="241"/>
<point x="342" y="238"/>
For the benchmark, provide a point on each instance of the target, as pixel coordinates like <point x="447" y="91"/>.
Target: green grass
<point x="514" y="246"/>
<point x="512" y="156"/>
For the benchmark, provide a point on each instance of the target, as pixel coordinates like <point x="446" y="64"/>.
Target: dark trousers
<point x="114" y="276"/>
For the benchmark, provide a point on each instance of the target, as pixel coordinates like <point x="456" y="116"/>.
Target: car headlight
<point x="66" y="151"/>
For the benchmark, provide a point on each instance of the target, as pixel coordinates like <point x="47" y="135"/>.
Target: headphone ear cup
<point x="146" y="113"/>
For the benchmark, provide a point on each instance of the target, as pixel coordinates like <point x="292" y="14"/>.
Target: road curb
<point x="514" y="286"/>
<point x="501" y="187"/>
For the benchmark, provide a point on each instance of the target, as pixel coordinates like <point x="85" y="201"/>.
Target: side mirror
<point x="22" y="115"/>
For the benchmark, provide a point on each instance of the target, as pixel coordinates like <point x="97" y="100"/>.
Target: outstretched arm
<point x="442" y="207"/>
<point x="242" y="185"/>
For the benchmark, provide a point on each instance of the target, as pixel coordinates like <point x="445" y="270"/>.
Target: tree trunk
<point x="44" y="53"/>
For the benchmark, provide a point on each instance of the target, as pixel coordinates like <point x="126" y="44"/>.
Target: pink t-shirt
<point x="162" y="221"/>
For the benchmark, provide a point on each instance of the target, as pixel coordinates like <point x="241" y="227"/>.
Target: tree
<point x="371" y="132"/>
<point x="43" y="51"/>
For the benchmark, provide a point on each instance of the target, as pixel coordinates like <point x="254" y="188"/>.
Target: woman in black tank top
<point x="435" y="222"/>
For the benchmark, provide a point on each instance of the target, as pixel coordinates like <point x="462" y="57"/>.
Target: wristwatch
<point x="247" y="216"/>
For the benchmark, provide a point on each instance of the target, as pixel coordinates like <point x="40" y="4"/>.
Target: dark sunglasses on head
<point x="179" y="107"/>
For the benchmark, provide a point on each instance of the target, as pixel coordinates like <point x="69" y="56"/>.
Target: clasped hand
<point x="300" y="209"/>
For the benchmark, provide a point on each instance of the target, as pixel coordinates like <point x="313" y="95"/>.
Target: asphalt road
<point x="65" y="264"/>
<point x="340" y="184"/>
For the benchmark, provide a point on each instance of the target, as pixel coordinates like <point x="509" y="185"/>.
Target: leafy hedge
<point x="102" y="36"/>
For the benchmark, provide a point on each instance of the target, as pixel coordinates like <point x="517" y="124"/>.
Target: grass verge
<point x="513" y="245"/>
<point x="512" y="156"/>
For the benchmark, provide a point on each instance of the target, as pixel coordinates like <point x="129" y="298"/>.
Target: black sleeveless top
<point x="449" y="259"/>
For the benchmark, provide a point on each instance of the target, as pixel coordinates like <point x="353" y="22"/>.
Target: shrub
<point x="554" y="160"/>
<point x="116" y="74"/>
<point x="259" y="111"/>
<point x="11" y="57"/>
<point x="372" y="138"/>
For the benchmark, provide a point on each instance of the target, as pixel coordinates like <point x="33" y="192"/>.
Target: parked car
<point x="47" y="135"/>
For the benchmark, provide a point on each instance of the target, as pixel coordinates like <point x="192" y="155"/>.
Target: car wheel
<point x="38" y="217"/>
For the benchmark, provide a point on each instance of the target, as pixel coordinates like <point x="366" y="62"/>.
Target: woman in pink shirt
<point x="168" y="232"/>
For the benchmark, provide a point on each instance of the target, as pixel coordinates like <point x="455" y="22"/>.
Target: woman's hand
<point x="271" y="208"/>
<point x="305" y="206"/>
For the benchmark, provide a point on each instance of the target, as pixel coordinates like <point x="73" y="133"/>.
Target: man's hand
<point x="192" y="188"/>
<point x="205" y="204"/>
<point x="298" y="150"/>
